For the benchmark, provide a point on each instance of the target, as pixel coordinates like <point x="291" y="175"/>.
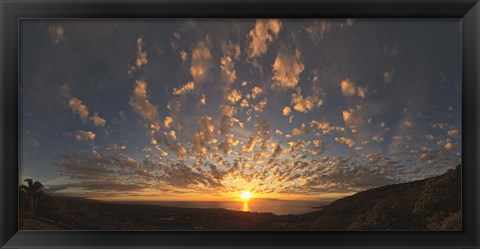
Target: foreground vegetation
<point x="429" y="204"/>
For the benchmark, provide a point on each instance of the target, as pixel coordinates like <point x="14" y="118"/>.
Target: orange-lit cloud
<point x="201" y="61"/>
<point x="79" y="107"/>
<point x="141" y="104"/>
<point x="189" y="86"/>
<point x="264" y="32"/>
<point x="287" y="69"/>
<point x="84" y="136"/>
<point x="98" y="121"/>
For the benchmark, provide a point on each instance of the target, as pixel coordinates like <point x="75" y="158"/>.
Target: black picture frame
<point x="13" y="10"/>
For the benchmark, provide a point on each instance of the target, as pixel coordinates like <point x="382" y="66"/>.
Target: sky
<point x="203" y="109"/>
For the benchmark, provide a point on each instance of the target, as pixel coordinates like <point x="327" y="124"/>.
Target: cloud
<point x="287" y="69"/>
<point x="318" y="29"/>
<point x="227" y="118"/>
<point x="244" y="103"/>
<point x="141" y="57"/>
<point x="79" y="107"/>
<point x="260" y="106"/>
<point x="57" y="32"/>
<point x="265" y="31"/>
<point x="256" y="91"/>
<point x="362" y="92"/>
<point x="141" y="54"/>
<point x="167" y="122"/>
<point x="84" y="136"/>
<point x="203" y="135"/>
<point x="97" y="120"/>
<point x="203" y="100"/>
<point x="227" y="62"/>
<point x="234" y="96"/>
<point x="348" y="88"/>
<point x="201" y="61"/>
<point x="277" y="151"/>
<point x="248" y="147"/>
<point x="286" y="111"/>
<point x="141" y="104"/>
<point x="453" y="133"/>
<point x="377" y="138"/>
<point x="302" y="104"/>
<point x="183" y="55"/>
<point x="348" y="141"/>
<point x="388" y="76"/>
<point x="449" y="146"/>
<point x="225" y="146"/>
<point x="189" y="86"/>
<point x="351" y="118"/>
<point x="408" y="123"/>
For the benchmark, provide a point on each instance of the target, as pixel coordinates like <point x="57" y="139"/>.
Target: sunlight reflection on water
<point x="245" y="207"/>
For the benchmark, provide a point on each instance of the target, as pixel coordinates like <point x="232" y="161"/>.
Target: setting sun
<point x="246" y="195"/>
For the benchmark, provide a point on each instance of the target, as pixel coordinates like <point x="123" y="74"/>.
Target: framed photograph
<point x="350" y="124"/>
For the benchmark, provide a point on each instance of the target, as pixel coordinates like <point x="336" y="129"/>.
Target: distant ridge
<point x="429" y="204"/>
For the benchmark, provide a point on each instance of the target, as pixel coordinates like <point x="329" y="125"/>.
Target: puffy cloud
<point x="189" y="86"/>
<point x="449" y="146"/>
<point x="442" y="126"/>
<point x="453" y="133"/>
<point x="277" y="151"/>
<point x="348" y="88"/>
<point x="79" y="107"/>
<point x="362" y="92"/>
<point x="264" y="32"/>
<point x="234" y="96"/>
<point x="351" y="118"/>
<point x="203" y="135"/>
<point x="183" y="55"/>
<point x="167" y="122"/>
<point x="244" y="103"/>
<point x="318" y="29"/>
<point x="286" y="111"/>
<point x="319" y="146"/>
<point x="142" y="55"/>
<point x="408" y="123"/>
<point x="227" y="118"/>
<point x="256" y="91"/>
<point x="203" y="100"/>
<point x="377" y="138"/>
<point x="201" y="61"/>
<point x="57" y="32"/>
<point x="225" y="146"/>
<point x="84" y="136"/>
<point x="227" y="62"/>
<point x="348" y="141"/>
<point x="429" y="137"/>
<point x="287" y="69"/>
<point x="140" y="102"/>
<point x="97" y="120"/>
<point x="302" y="104"/>
<point x="248" y="147"/>
<point x="260" y="106"/>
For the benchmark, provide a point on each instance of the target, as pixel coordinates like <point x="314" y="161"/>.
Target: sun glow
<point x="246" y="195"/>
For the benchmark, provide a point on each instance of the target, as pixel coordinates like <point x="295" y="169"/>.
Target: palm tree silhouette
<point x="31" y="190"/>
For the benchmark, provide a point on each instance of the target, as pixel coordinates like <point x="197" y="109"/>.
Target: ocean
<point x="278" y="207"/>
